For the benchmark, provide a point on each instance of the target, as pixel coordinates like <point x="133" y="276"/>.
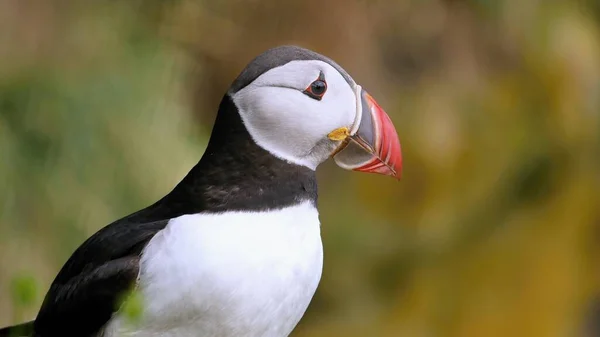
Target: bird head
<point x="304" y="108"/>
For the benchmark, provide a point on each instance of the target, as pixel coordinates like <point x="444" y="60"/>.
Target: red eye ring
<point x="317" y="88"/>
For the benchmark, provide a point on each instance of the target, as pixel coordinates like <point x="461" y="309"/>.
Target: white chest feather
<point x="231" y="274"/>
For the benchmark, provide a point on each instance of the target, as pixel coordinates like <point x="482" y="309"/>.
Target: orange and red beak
<point x="372" y="144"/>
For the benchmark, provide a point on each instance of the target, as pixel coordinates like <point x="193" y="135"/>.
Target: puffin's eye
<point x="317" y="88"/>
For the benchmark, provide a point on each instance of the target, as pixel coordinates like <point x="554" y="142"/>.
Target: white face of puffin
<point x="305" y="111"/>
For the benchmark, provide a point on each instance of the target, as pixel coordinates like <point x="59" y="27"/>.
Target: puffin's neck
<point x="235" y="174"/>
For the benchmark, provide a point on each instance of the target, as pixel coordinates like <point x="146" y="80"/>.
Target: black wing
<point x="90" y="286"/>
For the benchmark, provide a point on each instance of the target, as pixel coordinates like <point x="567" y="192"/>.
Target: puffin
<point x="234" y="250"/>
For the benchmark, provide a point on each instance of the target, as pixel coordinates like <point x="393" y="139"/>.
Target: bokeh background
<point x="494" y="229"/>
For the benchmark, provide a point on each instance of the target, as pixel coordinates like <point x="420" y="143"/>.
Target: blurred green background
<point x="494" y="229"/>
